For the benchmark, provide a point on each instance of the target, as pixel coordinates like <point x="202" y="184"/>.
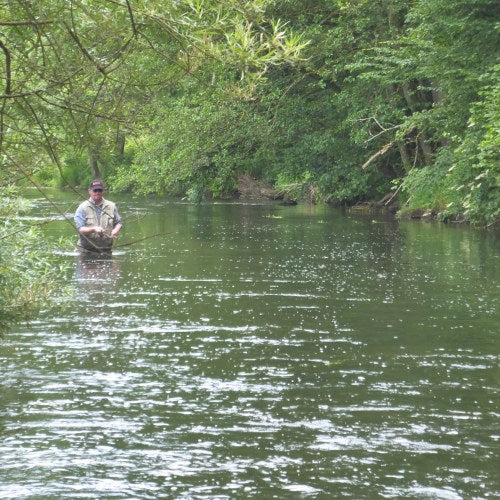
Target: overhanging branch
<point x="29" y="22"/>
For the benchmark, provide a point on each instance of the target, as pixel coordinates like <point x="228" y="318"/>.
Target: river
<point x="256" y="350"/>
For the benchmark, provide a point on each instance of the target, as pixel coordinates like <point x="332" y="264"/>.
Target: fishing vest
<point x="95" y="242"/>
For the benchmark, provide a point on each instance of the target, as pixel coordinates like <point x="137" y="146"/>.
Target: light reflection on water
<point x="263" y="354"/>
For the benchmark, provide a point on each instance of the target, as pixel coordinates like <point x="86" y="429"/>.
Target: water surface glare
<point x="260" y="351"/>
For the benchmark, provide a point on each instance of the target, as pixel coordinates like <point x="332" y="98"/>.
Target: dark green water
<point x="261" y="351"/>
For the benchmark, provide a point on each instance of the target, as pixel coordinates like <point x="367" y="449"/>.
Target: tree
<point x="72" y="79"/>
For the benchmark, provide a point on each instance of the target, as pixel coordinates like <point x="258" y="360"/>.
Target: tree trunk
<point x="405" y="157"/>
<point x="424" y="146"/>
<point x="394" y="22"/>
<point x="426" y="150"/>
<point x="437" y="97"/>
<point x="120" y="142"/>
<point x="93" y="164"/>
<point x="436" y="93"/>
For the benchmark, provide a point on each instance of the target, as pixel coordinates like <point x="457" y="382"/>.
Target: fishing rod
<point x="133" y="242"/>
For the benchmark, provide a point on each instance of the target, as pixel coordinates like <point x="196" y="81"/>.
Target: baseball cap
<point x="97" y="184"/>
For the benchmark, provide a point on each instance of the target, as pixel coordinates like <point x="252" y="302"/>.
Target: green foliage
<point x="425" y="188"/>
<point x="295" y="188"/>
<point x="28" y="273"/>
<point x="75" y="170"/>
<point x="464" y="180"/>
<point x="208" y="137"/>
<point x="475" y="175"/>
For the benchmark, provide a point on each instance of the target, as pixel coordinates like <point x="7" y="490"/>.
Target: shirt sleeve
<point x="80" y="217"/>
<point x="116" y="216"/>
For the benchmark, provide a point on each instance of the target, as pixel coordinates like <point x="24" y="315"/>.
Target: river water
<point x="260" y="351"/>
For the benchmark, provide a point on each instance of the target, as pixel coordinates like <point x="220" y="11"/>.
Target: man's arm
<point x="116" y="230"/>
<point x="118" y="223"/>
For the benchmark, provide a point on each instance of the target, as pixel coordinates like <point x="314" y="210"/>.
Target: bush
<point x="28" y="273"/>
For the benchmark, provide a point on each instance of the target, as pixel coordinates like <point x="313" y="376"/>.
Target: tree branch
<point x="378" y="153"/>
<point x="82" y="110"/>
<point x="30" y="22"/>
<point x="132" y="21"/>
<point x="84" y="50"/>
<point x="8" y="89"/>
<point x="52" y="152"/>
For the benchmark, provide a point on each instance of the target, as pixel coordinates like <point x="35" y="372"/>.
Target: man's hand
<point x="116" y="230"/>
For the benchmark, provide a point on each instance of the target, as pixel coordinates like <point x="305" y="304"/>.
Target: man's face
<point x="96" y="195"/>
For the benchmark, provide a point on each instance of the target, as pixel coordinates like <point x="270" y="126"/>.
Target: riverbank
<point x="254" y="189"/>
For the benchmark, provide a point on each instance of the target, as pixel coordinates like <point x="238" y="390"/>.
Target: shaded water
<point x="261" y="351"/>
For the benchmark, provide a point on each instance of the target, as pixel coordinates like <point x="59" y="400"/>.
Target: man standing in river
<point x="97" y="221"/>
